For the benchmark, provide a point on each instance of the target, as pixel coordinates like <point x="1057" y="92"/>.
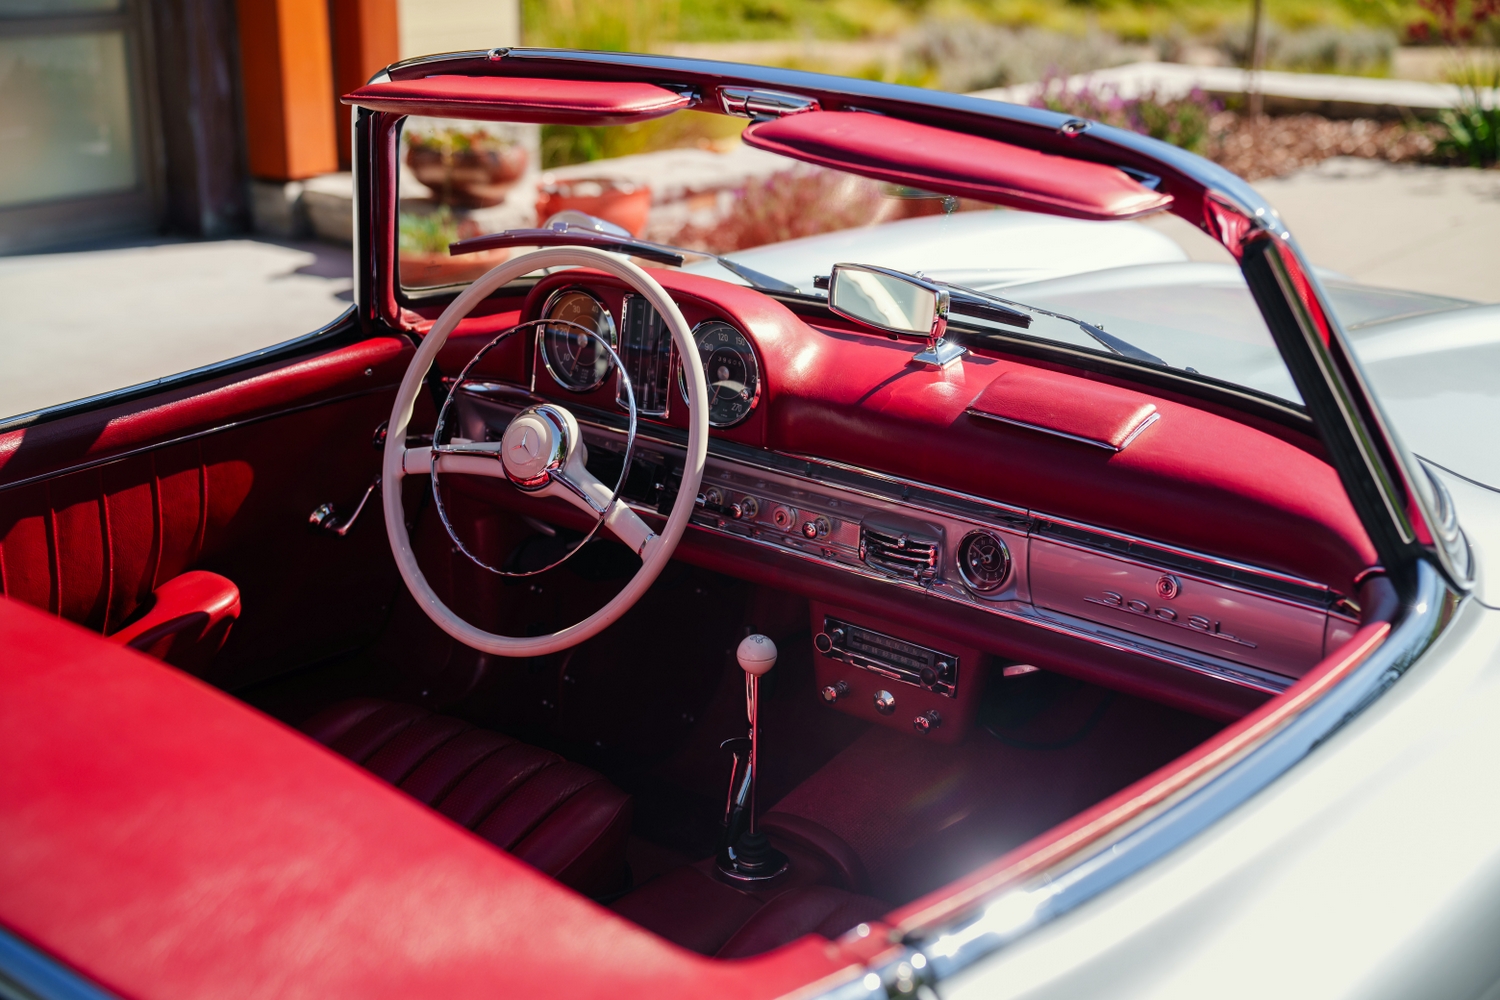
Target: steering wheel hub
<point x="538" y="443"/>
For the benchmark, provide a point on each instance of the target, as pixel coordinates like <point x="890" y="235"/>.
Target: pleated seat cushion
<point x="562" y="818"/>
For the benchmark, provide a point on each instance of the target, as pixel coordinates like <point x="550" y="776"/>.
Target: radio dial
<point x="927" y="722"/>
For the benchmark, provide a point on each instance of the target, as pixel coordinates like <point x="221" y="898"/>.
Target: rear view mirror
<point x="896" y="303"/>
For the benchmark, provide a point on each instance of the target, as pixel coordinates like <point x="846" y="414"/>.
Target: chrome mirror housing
<point x="894" y="302"/>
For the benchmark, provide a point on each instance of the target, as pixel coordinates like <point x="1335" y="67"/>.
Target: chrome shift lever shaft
<point x="747" y="855"/>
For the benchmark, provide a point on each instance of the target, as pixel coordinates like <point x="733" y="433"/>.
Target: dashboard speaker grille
<point x="897" y="551"/>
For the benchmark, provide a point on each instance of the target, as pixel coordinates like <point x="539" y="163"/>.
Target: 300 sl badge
<point x="1197" y="623"/>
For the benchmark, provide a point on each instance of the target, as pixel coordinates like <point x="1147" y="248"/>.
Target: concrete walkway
<point x="1422" y="229"/>
<point x="78" y="324"/>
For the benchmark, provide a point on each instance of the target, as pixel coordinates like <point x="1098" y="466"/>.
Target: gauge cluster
<point x="729" y="368"/>
<point x="578" y="363"/>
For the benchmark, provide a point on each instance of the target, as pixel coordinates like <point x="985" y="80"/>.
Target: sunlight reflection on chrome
<point x="1003" y="918"/>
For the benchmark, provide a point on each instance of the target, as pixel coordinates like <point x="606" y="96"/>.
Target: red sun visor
<point x="935" y="159"/>
<point x="520" y="99"/>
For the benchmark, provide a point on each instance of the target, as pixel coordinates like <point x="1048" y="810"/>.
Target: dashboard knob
<point x="822" y="643"/>
<point x="944" y="670"/>
<point x="885" y="702"/>
<point x="736" y="511"/>
<point x="835" y="691"/>
<point x="837" y="635"/>
<point x="927" y="722"/>
<point x="810" y="529"/>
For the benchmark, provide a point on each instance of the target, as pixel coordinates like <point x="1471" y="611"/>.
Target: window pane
<point x="82" y="323"/>
<point x="43" y="8"/>
<point x="65" y="126"/>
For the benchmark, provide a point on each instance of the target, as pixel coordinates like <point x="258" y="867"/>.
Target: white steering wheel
<point x="542" y="453"/>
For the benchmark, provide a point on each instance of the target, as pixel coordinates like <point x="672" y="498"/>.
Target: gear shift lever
<point x="746" y="854"/>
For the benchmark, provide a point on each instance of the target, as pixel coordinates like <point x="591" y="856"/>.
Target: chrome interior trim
<point x="1258" y="579"/>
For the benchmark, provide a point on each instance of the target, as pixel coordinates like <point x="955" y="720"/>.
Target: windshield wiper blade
<point x="572" y="234"/>
<point x="1124" y="348"/>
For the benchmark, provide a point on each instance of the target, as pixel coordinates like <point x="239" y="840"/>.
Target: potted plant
<point x="467" y="169"/>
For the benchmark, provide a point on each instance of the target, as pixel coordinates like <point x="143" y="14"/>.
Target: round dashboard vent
<point x="983" y="561"/>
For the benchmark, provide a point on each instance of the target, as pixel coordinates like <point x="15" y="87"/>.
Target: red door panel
<point x="222" y="477"/>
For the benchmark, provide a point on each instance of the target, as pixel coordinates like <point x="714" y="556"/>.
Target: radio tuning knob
<point x="837" y="635"/>
<point x="822" y="643"/>
<point x="927" y="722"/>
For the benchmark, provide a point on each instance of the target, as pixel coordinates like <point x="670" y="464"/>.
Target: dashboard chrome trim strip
<point x="919" y="499"/>
<point x="1052" y="621"/>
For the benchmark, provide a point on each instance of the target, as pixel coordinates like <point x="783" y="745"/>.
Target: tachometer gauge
<point x="731" y="370"/>
<point x="573" y="358"/>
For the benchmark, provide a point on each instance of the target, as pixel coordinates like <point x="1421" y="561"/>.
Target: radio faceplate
<point x="892" y="658"/>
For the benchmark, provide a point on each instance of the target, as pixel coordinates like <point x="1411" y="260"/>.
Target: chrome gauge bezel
<point x="612" y="334"/>
<point x="754" y="362"/>
<point x="989" y="592"/>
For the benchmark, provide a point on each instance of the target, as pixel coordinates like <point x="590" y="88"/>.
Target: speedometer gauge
<point x="730" y="368"/>
<point x="573" y="358"/>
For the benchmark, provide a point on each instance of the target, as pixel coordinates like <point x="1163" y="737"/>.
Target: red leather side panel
<point x="520" y="99"/>
<point x="167" y="841"/>
<point x="970" y="166"/>
<point x="91" y="545"/>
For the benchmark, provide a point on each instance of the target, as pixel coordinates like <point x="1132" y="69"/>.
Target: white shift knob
<point x="756" y="654"/>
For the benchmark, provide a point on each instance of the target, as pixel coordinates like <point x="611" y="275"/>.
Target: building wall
<point x="432" y="26"/>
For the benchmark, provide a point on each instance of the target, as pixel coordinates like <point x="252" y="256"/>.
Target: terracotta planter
<point x="425" y="270"/>
<point x="468" y="178"/>
<point x="620" y="202"/>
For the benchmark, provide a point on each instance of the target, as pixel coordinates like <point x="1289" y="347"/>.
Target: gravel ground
<point x="1257" y="148"/>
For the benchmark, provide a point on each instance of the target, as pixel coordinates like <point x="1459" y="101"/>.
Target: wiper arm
<point x="1124" y="348"/>
<point x="572" y="234"/>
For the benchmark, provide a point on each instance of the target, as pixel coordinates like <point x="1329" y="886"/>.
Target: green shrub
<point x="1472" y="126"/>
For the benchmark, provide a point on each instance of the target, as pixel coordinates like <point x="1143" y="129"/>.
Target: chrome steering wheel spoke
<point x="542" y="453"/>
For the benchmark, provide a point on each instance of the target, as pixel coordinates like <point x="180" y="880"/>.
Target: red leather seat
<point x="559" y="817"/>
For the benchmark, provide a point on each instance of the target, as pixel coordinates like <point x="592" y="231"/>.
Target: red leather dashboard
<point x="1194" y="478"/>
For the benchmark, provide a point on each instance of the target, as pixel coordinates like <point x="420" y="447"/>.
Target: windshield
<point x="1117" y="288"/>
